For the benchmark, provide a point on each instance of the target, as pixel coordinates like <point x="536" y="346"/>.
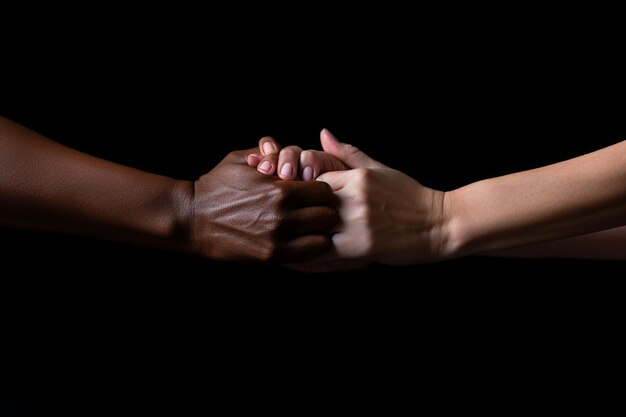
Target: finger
<point x="310" y="219"/>
<point x="348" y="154"/>
<point x="244" y="156"/>
<point x="253" y="160"/>
<point x="304" y="248"/>
<point x="319" y="162"/>
<point x="268" y="145"/>
<point x="308" y="194"/>
<point x="329" y="163"/>
<point x="251" y="156"/>
<point x="288" y="161"/>
<point x="337" y="180"/>
<point x="267" y="164"/>
<point x="309" y="165"/>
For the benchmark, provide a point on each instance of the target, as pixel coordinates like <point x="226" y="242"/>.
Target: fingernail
<point x="268" y="147"/>
<point x="286" y="170"/>
<point x="307" y="174"/>
<point x="265" y="166"/>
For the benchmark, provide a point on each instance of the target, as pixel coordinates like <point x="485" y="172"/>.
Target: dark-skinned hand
<point x="239" y="214"/>
<point x="233" y="213"/>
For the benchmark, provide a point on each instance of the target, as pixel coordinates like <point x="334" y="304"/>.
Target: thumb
<point x="336" y="179"/>
<point x="348" y="154"/>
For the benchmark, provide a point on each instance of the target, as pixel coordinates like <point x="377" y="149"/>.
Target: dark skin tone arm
<point x="232" y="213"/>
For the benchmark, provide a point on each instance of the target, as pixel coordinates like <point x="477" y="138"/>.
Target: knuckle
<point x="367" y="244"/>
<point x="362" y="178"/>
<point x="291" y="150"/>
<point x="362" y="174"/>
<point x="362" y="215"/>
<point x="289" y="155"/>
<point x="278" y="194"/>
<point x="233" y="155"/>
<point x="278" y="224"/>
<point x="273" y="220"/>
<point x="351" y="149"/>
<point x="269" y="252"/>
<point x="307" y="155"/>
<point x="269" y="249"/>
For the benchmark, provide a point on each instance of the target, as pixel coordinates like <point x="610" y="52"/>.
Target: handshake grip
<point x="315" y="210"/>
<point x="318" y="210"/>
<point x="377" y="218"/>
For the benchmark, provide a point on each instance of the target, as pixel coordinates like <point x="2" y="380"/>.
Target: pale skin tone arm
<point x="571" y="198"/>
<point x="570" y="206"/>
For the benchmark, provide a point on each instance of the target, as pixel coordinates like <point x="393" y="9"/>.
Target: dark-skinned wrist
<point x="177" y="232"/>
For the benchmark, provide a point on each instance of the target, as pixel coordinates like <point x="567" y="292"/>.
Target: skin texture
<point x="390" y="218"/>
<point x="256" y="217"/>
<point x="292" y="163"/>
<point x="233" y="213"/>
<point x="579" y="196"/>
<point x="386" y="216"/>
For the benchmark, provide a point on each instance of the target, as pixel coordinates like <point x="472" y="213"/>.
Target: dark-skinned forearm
<point x="47" y="186"/>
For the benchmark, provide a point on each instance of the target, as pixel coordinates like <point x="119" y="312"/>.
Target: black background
<point x="95" y="325"/>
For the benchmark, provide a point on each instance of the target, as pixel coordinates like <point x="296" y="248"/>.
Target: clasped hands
<point x="315" y="210"/>
<point x="318" y="211"/>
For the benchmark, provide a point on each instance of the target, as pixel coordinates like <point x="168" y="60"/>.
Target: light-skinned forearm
<point x="571" y="198"/>
<point x="47" y="186"/>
